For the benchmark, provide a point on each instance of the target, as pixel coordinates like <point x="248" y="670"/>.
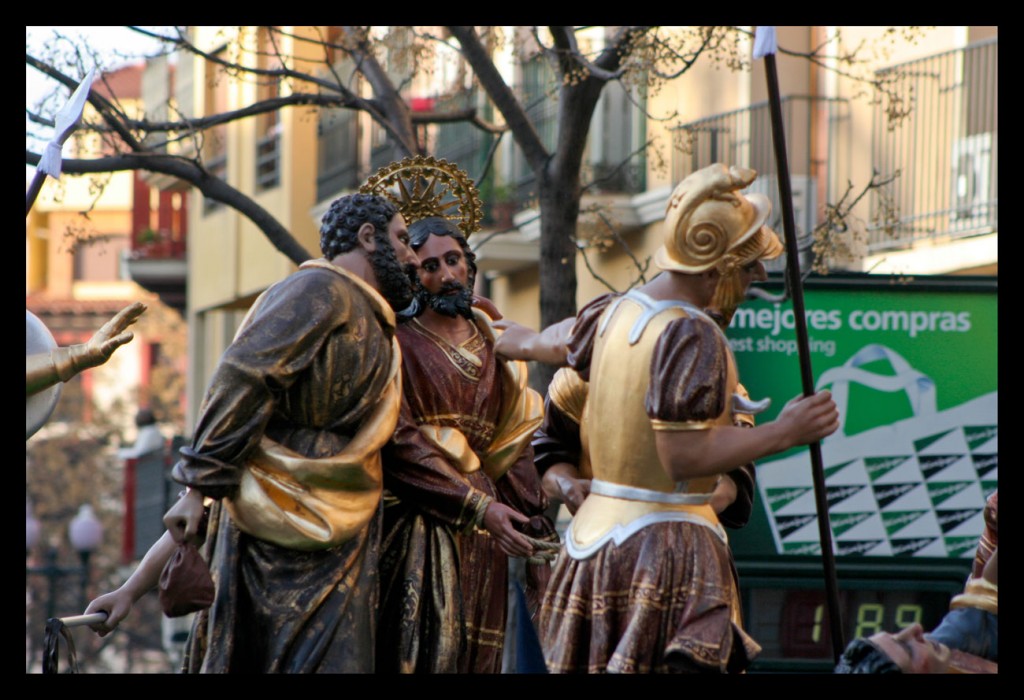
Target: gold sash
<point x="304" y="503"/>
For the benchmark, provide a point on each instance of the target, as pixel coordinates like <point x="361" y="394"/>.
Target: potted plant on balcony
<point x="502" y="204"/>
<point x="152" y="244"/>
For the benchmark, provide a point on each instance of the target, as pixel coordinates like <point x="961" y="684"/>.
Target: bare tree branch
<point x="190" y="171"/>
<point x="565" y="39"/>
<point x="504" y="99"/>
<point x="689" y="59"/>
<point x="590" y="268"/>
<point x="613" y="231"/>
<point x="394" y="109"/>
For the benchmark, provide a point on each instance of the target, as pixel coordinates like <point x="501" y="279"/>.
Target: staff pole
<point x="765" y="46"/>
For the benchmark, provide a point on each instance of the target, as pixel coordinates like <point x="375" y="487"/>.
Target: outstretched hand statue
<point x="43" y="370"/>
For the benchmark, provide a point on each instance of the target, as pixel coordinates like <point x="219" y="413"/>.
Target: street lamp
<point x="85" y="533"/>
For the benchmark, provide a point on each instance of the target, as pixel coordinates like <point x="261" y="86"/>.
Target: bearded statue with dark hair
<point x="338" y="234"/>
<point x="454" y="298"/>
<point x="462" y="492"/>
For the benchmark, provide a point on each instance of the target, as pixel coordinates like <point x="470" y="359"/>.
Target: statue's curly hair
<point x="340" y="225"/>
<point x="861" y="656"/>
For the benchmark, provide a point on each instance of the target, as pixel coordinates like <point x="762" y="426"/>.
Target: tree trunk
<point x="559" y="208"/>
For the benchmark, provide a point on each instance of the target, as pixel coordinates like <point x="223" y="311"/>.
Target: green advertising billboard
<point x="913" y="368"/>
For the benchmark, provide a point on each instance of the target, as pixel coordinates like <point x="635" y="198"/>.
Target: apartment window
<point x="337" y="132"/>
<point x="337" y="152"/>
<point x="268" y="124"/>
<point x="99" y="258"/>
<point x="215" y="147"/>
<point x="537" y="81"/>
<point x="616" y="163"/>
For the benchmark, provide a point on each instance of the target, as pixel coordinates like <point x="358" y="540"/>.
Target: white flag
<point x="65" y="121"/>
<point x="764" y="42"/>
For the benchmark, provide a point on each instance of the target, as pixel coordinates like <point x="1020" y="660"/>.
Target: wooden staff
<point x="765" y="46"/>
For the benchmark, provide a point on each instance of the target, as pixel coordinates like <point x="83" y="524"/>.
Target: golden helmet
<point x="707" y="219"/>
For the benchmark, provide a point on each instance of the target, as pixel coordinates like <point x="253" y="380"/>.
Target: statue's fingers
<point x="124" y="318"/>
<point x="112" y="344"/>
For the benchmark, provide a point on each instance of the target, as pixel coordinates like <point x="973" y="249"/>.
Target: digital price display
<point x="786" y="612"/>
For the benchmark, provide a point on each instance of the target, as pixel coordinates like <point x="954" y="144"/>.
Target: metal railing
<point x="337" y="152"/>
<point x="268" y="162"/>
<point x="945" y="149"/>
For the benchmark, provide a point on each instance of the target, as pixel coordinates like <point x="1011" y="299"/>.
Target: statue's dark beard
<point x="394" y="280"/>
<point x="452" y="305"/>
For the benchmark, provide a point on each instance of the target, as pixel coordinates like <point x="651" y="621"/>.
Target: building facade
<point x="920" y="117"/>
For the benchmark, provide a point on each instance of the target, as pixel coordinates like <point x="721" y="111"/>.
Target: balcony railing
<point x="945" y="150"/>
<point x="268" y="162"/>
<point x="161" y="246"/>
<point x="337" y="154"/>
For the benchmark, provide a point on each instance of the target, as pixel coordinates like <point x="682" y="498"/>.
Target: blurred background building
<point x="84" y="239"/>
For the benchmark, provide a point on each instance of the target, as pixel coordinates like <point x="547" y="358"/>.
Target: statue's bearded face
<point x="394" y="279"/>
<point x="445" y="278"/>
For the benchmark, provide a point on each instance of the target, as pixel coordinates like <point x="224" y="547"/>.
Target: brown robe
<point x="305" y="371"/>
<point x="444" y="581"/>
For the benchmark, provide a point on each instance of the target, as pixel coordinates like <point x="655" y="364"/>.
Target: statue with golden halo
<point x="644" y="582"/>
<point x="461" y="491"/>
<point x="423" y="187"/>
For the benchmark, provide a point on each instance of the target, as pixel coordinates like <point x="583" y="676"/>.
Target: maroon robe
<point x="444" y="581"/>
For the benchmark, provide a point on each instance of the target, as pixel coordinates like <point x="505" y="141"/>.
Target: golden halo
<point x="422" y="186"/>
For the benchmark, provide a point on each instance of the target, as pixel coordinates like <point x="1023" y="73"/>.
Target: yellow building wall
<point x="230" y="258"/>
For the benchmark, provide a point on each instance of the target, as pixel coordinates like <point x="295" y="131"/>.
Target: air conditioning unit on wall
<point x="805" y="195"/>
<point x="972" y="196"/>
<point x="805" y="212"/>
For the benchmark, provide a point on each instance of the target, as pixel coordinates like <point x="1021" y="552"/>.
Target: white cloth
<point x="64" y="123"/>
<point x="764" y="42"/>
<point x="149" y="439"/>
